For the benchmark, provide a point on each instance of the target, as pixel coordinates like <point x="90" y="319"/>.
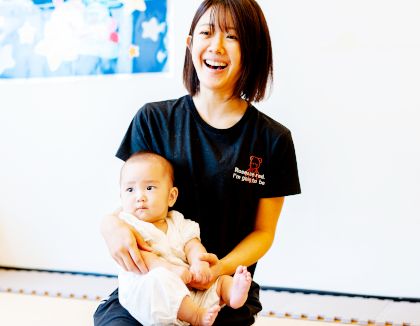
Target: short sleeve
<point x="187" y="229"/>
<point x="137" y="137"/>
<point x="283" y="177"/>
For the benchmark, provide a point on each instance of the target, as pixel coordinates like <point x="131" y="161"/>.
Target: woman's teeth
<point x="215" y="64"/>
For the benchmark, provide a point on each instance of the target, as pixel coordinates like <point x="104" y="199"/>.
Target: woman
<point x="233" y="164"/>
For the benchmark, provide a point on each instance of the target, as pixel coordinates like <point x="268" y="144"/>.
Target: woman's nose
<point x="217" y="44"/>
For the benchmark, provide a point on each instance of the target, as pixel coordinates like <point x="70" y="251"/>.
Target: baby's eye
<point x="150" y="187"/>
<point x="130" y="189"/>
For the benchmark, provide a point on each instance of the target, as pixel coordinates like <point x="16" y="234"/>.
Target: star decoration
<point x="60" y="44"/>
<point x="152" y="28"/>
<point x="160" y="56"/>
<point x="133" y="51"/>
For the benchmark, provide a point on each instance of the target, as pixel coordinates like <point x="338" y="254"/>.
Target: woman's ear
<point x="189" y="42"/>
<point x="173" y="195"/>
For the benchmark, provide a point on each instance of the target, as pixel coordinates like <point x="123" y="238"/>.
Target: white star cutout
<point x="152" y="28"/>
<point x="160" y="56"/>
<point x="60" y="44"/>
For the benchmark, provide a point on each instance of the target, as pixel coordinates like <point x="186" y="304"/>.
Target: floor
<point x="26" y="309"/>
<point x="50" y="298"/>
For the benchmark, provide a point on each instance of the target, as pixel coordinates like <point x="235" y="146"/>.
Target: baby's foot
<point x="206" y="317"/>
<point x="240" y="287"/>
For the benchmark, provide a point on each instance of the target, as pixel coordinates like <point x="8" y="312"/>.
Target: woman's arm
<point x="131" y="252"/>
<point x="257" y="243"/>
<point x="124" y="243"/>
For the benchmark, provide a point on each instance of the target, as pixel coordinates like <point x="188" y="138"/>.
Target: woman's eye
<point x="205" y="33"/>
<point x="232" y="37"/>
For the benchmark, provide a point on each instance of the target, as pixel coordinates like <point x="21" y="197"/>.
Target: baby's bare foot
<point x="206" y="317"/>
<point x="240" y="287"/>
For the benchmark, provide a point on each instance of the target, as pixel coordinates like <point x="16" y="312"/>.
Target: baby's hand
<point x="200" y="271"/>
<point x="183" y="273"/>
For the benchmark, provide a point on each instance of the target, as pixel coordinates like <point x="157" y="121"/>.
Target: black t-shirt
<point x="221" y="173"/>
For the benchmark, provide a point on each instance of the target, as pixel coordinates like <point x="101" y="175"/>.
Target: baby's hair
<point x="145" y="155"/>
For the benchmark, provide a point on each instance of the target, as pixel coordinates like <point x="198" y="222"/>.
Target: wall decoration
<point x="50" y="38"/>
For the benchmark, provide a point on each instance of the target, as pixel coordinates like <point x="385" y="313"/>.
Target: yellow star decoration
<point x="133" y="51"/>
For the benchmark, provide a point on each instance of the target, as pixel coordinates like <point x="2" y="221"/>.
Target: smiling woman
<point x="237" y="33"/>
<point x="208" y="135"/>
<point x="216" y="55"/>
<point x="348" y="90"/>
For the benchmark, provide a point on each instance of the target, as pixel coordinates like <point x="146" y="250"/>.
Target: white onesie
<point x="154" y="298"/>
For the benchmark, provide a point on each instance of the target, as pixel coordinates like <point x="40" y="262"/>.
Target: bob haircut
<point x="254" y="41"/>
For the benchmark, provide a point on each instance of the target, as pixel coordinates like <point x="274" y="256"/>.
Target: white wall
<point x="347" y="79"/>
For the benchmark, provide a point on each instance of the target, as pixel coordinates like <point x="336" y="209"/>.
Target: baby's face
<point x="146" y="190"/>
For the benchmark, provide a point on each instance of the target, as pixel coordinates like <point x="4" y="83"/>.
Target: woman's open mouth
<point x="217" y="65"/>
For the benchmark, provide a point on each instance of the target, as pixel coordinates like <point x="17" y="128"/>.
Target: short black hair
<point x="254" y="41"/>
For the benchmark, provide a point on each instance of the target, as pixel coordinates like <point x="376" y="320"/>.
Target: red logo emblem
<point x="254" y="164"/>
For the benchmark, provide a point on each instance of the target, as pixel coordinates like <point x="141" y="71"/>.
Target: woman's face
<point x="216" y="54"/>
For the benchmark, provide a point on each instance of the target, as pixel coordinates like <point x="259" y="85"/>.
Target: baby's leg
<point x="153" y="298"/>
<point x="154" y="261"/>
<point x="234" y="290"/>
<point x="190" y="312"/>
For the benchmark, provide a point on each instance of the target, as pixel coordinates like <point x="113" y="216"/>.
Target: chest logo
<point x="252" y="175"/>
<point x="254" y="164"/>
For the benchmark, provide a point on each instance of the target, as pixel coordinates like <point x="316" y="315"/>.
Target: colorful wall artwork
<point x="51" y="38"/>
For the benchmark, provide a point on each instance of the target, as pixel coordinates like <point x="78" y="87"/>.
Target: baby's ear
<point x="173" y="195"/>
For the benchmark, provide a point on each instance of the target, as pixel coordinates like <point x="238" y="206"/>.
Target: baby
<point x="162" y="297"/>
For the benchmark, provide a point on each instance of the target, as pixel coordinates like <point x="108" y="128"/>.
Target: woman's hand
<point x="200" y="271"/>
<point x="125" y="244"/>
<point x="215" y="272"/>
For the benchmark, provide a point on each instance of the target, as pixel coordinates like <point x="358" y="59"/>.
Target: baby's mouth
<point x="217" y="65"/>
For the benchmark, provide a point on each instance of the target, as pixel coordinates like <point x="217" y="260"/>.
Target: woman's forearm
<point x="123" y="242"/>
<point x="258" y="242"/>
<point x="247" y="252"/>
<point x="108" y="224"/>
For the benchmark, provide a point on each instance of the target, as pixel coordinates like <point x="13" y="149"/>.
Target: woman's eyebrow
<point x="228" y="28"/>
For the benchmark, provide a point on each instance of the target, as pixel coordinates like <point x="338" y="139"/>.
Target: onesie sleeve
<point x="187" y="229"/>
<point x="137" y="137"/>
<point x="283" y="177"/>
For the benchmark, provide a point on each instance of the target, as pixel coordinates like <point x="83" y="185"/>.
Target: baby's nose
<point x="141" y="197"/>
